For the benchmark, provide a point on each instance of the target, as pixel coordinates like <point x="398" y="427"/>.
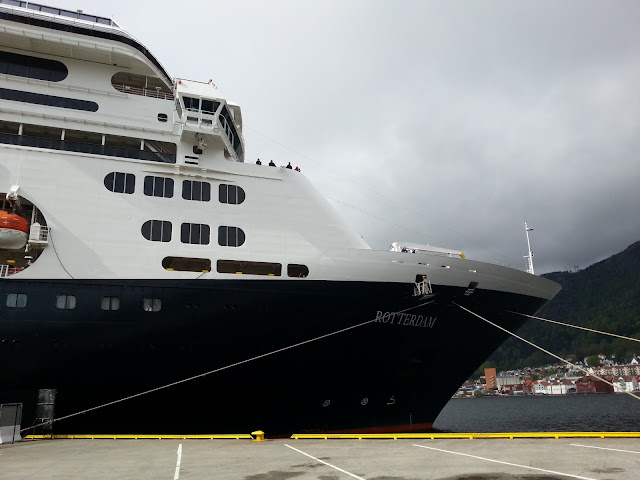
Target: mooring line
<point x="184" y="380"/>
<point x="543" y="350"/>
<point x="576" y="326"/>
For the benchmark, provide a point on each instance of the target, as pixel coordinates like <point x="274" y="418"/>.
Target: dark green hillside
<point x="604" y="296"/>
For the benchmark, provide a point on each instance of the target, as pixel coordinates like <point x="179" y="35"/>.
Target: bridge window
<point x="66" y="302"/>
<point x="232" y="194"/>
<point x="158" y="187"/>
<point x="249" y="268"/>
<point x="230" y="236"/>
<point x="300" y="271"/>
<point x="157" y="230"/>
<point x="119" y="182"/>
<point x="195" y="233"/>
<point x="191" y="104"/>
<point x="193" y="190"/>
<point x="16" y="300"/>
<point x="184" y="264"/>
<point x="32" y="67"/>
<point x="209" y="106"/>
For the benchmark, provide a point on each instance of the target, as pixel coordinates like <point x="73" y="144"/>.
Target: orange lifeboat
<point x="13" y="231"/>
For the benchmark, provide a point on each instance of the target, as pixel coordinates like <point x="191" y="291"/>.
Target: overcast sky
<point x="441" y="122"/>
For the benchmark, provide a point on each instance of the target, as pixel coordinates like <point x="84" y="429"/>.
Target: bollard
<point x="259" y="434"/>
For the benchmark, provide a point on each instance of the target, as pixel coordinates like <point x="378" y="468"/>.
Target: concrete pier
<point x="283" y="459"/>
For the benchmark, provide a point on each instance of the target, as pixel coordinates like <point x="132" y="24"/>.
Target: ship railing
<point x="7" y="270"/>
<point x="422" y="288"/>
<point x="145" y="92"/>
<point x="38" y="235"/>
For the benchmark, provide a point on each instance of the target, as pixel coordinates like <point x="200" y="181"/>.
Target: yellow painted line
<point x="468" y="436"/>
<point x="142" y="437"/>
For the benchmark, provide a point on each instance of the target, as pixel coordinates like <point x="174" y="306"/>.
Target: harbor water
<point x="541" y="413"/>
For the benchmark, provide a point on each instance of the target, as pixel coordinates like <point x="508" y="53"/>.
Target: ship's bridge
<point x="202" y="113"/>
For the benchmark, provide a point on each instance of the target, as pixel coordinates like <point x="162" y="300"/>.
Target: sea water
<point x="541" y="413"/>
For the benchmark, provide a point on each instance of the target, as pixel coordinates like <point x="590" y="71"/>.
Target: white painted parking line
<point x="506" y="463"/>
<point x="327" y="464"/>
<point x="603" y="448"/>
<point x="176" y="476"/>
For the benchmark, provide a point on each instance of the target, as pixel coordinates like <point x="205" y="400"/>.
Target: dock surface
<point x="283" y="459"/>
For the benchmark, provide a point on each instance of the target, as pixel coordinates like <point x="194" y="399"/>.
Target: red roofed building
<point x="591" y="384"/>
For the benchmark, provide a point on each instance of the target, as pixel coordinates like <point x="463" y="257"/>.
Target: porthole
<point x="162" y="117"/>
<point x="151" y="304"/>
<point x="65" y="302"/>
<point x="16" y="300"/>
<point x="110" y="303"/>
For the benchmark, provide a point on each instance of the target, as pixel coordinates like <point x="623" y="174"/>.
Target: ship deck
<point x="462" y="459"/>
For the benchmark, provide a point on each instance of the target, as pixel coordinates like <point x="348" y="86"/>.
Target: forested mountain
<point x="604" y="296"/>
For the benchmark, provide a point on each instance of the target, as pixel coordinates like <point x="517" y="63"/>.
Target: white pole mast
<point x="530" y="256"/>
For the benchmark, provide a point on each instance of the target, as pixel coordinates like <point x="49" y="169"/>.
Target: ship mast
<point x="529" y="257"/>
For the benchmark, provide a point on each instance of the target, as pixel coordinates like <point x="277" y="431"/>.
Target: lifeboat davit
<point x="13" y="231"/>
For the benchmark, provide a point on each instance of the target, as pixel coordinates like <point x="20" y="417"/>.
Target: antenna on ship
<point x="529" y="257"/>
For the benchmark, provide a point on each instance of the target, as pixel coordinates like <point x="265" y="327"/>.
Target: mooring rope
<point x="184" y="380"/>
<point x="576" y="326"/>
<point x="543" y="350"/>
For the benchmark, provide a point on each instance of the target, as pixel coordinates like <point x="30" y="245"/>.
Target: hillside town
<point x="557" y="379"/>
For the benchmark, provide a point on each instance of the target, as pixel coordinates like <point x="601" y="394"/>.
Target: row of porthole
<point x="68" y="302"/>
<point x="119" y="182"/>
<point x="192" y="233"/>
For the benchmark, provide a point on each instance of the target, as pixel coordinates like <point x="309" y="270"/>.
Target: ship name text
<point x="408" y="319"/>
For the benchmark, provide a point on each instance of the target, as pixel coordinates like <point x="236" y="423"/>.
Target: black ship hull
<point x="394" y="373"/>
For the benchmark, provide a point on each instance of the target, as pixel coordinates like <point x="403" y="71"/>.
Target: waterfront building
<point x="591" y="384"/>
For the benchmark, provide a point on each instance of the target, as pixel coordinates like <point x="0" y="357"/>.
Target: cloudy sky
<point x="441" y="122"/>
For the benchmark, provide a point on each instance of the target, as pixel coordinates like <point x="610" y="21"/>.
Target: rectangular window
<point x="232" y="194"/>
<point x="157" y="230"/>
<point x="195" y="233"/>
<point x="151" y="304"/>
<point x="191" y="104"/>
<point x="199" y="191"/>
<point x="299" y="271"/>
<point x="110" y="303"/>
<point x="158" y="187"/>
<point x="184" y="264"/>
<point x="230" y="236"/>
<point x="119" y="182"/>
<point x="249" y="268"/>
<point x="66" y="302"/>
<point x="16" y="300"/>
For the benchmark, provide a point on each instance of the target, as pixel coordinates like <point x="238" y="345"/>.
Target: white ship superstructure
<point x="135" y="187"/>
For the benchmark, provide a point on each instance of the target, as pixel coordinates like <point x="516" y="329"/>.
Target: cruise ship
<point x="150" y="282"/>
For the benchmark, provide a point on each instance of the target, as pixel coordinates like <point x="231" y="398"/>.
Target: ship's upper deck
<point x="78" y="22"/>
<point x="53" y="11"/>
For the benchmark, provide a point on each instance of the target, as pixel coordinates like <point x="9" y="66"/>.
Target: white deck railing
<point x="145" y="92"/>
<point x="422" y="288"/>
